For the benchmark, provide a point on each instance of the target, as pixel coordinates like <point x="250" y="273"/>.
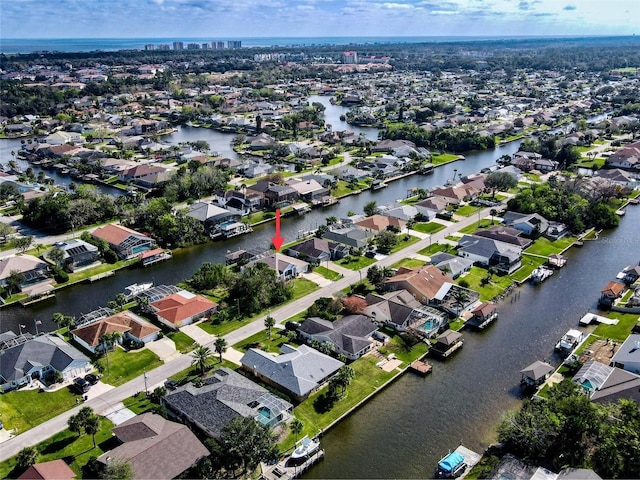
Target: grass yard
<point x="534" y="177"/>
<point x="262" y="341"/>
<point x="435" y="248"/>
<point x="619" y="332"/>
<point x="484" y="223"/>
<point x="443" y="158"/>
<point x="98" y="269"/>
<point x="75" y="451"/>
<point x="544" y="246"/>
<point x="184" y="343"/>
<point x="496" y="286"/>
<point x="328" y="274"/>
<point x="24" y="409"/>
<point x="467" y="210"/>
<point x="529" y="264"/>
<point x="343" y="188"/>
<point x="302" y="287"/>
<point x="409" y="263"/>
<point x="404" y="243"/>
<point x="356" y="263"/>
<point x="125" y="366"/>
<point x="429" y="227"/>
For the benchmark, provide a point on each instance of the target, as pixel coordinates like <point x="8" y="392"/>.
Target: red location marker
<point x="277" y="240"/>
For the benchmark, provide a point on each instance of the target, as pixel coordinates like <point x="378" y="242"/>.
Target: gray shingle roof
<point x="350" y="333"/>
<point x="298" y="370"/>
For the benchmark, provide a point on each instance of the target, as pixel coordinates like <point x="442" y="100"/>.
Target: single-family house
<point x="285" y="266"/>
<point x="423" y="283"/>
<point x="378" y="223"/>
<point x="60" y="138"/>
<point x="78" y="253"/>
<point x="615" y="176"/>
<point x="146" y="175"/>
<point x="297" y="371"/>
<point x="317" y="250"/>
<point x="309" y="190"/>
<point x="628" y="355"/>
<point x="486" y="251"/>
<point x="31" y="268"/>
<point x="127" y="243"/>
<point x="434" y="205"/>
<point x="530" y="224"/>
<point x="262" y="141"/>
<point x="388" y="145"/>
<point x="400" y="310"/>
<point x="156" y="449"/>
<point x="225" y="395"/>
<point x="611" y="292"/>
<point x="509" y="235"/>
<point x="351" y="236"/>
<point x="627" y="157"/>
<point x="126" y="323"/>
<point x="350" y="336"/>
<point x="53" y="470"/>
<point x="451" y="264"/>
<point x="182" y="308"/>
<point x="408" y="212"/>
<point x="457" y="194"/>
<point x="209" y="214"/>
<point x="37" y="359"/>
<point x="257" y="170"/>
<point x="605" y="383"/>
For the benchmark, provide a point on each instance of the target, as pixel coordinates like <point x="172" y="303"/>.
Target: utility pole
<point x="146" y="390"/>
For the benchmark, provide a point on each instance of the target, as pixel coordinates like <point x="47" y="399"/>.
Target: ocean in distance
<point x="28" y="45"/>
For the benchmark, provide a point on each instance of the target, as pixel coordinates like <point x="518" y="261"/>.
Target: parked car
<point x="171" y="384"/>
<point x="81" y="385"/>
<point x="92" y="378"/>
<point x="291" y="326"/>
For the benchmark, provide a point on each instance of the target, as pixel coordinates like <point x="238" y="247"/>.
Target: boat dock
<point x="284" y="471"/>
<point x="471" y="458"/>
<point x="420" y="367"/>
<point x="100" y="276"/>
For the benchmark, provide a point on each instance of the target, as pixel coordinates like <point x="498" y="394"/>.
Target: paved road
<point x="158" y="375"/>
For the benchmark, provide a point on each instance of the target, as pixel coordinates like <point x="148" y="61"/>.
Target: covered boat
<point x="451" y="466"/>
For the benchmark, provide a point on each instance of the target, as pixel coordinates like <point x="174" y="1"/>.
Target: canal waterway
<point x="407" y="428"/>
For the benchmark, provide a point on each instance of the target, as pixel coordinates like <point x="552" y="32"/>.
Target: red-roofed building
<point x="53" y="470"/>
<point x="182" y="308"/>
<point x="127" y="243"/>
<point x="146" y="175"/>
<point x="126" y="323"/>
<point x="611" y="292"/>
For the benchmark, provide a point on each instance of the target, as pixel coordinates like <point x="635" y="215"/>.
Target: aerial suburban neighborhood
<point x="213" y="257"/>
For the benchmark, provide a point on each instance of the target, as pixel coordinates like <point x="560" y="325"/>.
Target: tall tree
<point x="247" y="443"/>
<point x="27" y="456"/>
<point x="201" y="356"/>
<point x="296" y="427"/>
<point x="269" y="322"/>
<point x="118" y="470"/>
<point x="370" y="208"/>
<point x="220" y="346"/>
<point x="92" y="426"/>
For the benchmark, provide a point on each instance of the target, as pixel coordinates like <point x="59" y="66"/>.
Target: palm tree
<point x="63" y="320"/>
<point x="269" y="322"/>
<point x="296" y="427"/>
<point x="460" y="297"/>
<point x="109" y="340"/>
<point x="201" y="356"/>
<point x="220" y="346"/>
<point x="345" y="375"/>
<point x="92" y="426"/>
<point x="143" y="302"/>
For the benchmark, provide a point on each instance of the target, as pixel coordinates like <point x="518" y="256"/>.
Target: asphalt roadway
<point x="111" y="397"/>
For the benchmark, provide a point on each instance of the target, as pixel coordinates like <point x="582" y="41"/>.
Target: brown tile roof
<point x="380" y="222"/>
<point x="53" y="470"/>
<point x="177" y="307"/>
<point x="427" y="280"/>
<point x="484" y="309"/>
<point x="114" y="234"/>
<point x="151" y="253"/>
<point x="121" y="322"/>
<point x="613" y="288"/>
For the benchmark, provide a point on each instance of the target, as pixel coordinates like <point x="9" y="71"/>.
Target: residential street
<point x="157" y="376"/>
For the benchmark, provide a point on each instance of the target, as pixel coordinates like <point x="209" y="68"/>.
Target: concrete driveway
<point x="165" y="348"/>
<point x="199" y="335"/>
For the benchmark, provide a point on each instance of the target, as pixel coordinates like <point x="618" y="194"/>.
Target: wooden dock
<point x="420" y="367"/>
<point x="284" y="471"/>
<point x="100" y="276"/>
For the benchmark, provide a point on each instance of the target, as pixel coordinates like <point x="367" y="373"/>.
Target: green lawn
<point x="302" y="287"/>
<point x="534" y="177"/>
<point x="496" y="286"/>
<point x="24" y="409"/>
<point x="328" y="274"/>
<point x="443" y="158"/>
<point x="435" y="248"/>
<point x="529" y="264"/>
<point x="124" y="366"/>
<point x="619" y="332"/>
<point x="484" y="223"/>
<point x="409" y="263"/>
<point x="98" y="269"/>
<point x="184" y="343"/>
<point x="356" y="263"/>
<point x="262" y="341"/>
<point x="467" y="210"/>
<point x="544" y="246"/>
<point x="75" y="451"/>
<point x="430" y="227"/>
<point x="404" y="243"/>
<point x="345" y="188"/>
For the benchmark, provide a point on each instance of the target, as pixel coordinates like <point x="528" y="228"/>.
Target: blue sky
<point x="298" y="18"/>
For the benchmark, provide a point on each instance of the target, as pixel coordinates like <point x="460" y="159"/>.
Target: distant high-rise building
<point x="178" y="46"/>
<point x="234" y="44"/>
<point x="350" y="57"/>
<point x="163" y="47"/>
<point x="193" y="46"/>
<point x="206" y="46"/>
<point x="217" y="45"/>
<point x="149" y="46"/>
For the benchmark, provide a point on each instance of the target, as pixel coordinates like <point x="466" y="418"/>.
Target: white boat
<point x="540" y="274"/>
<point x="136" y="289"/>
<point x="305" y="448"/>
<point x="570" y="341"/>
